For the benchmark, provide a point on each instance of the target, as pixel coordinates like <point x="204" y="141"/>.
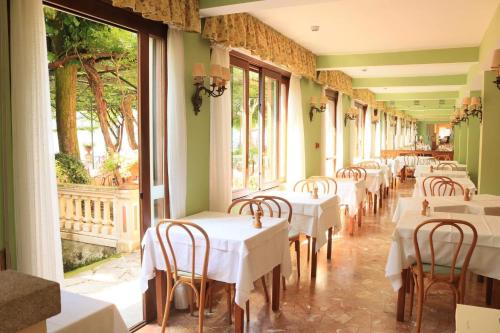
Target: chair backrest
<point x="276" y="202"/>
<point x="427" y="161"/>
<point x="447" y="166"/>
<point x="307" y="185"/>
<point x="444" y="187"/>
<point x="410" y="160"/>
<point x="331" y="183"/>
<point x="443" y="157"/>
<point x="455" y="225"/>
<point x="170" y="256"/>
<point x="251" y="205"/>
<point x="351" y="173"/>
<point x="369" y="165"/>
<point x="429" y="181"/>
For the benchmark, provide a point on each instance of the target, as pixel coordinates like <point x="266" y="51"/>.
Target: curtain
<point x="295" y="144"/>
<point x="397" y="140"/>
<point x="220" y="182"/>
<point x="181" y="14"/>
<point x="339" y="151"/>
<point x="245" y="31"/>
<point x="378" y="138"/>
<point x="38" y="238"/>
<point x="176" y="123"/>
<point x="368" y="134"/>
<point x="336" y="80"/>
<point x="328" y="139"/>
<point x="383" y="132"/>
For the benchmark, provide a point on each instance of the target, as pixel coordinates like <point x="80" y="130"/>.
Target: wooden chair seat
<point x="440" y="270"/>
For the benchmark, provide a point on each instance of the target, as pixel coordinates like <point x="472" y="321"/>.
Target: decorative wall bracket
<point x="214" y="91"/>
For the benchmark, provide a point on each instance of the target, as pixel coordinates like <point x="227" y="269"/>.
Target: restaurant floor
<point x="349" y="294"/>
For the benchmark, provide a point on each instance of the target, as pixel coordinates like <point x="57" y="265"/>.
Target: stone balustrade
<point x="100" y="215"/>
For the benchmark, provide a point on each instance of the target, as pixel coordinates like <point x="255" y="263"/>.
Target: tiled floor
<point x="350" y="293"/>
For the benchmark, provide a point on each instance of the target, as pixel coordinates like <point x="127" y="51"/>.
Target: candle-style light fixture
<point x="496" y="65"/>
<point x="220" y="77"/>
<point x="317" y="105"/>
<point x="393" y="119"/>
<point x="472" y="108"/>
<point x="352" y="114"/>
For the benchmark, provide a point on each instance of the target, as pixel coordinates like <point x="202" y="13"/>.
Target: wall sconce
<point x="375" y="117"/>
<point x="393" y="120"/>
<point x="352" y="114"/>
<point x="318" y="107"/>
<point x="220" y="77"/>
<point x="496" y="65"/>
<point x="472" y="108"/>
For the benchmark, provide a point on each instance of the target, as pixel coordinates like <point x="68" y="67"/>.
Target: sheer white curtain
<point x="339" y="151"/>
<point x="383" y="132"/>
<point x="378" y="138"/>
<point x="176" y="123"/>
<point x="38" y="240"/>
<point x="328" y="139"/>
<point x="368" y="134"/>
<point x="220" y="186"/>
<point x="295" y="134"/>
<point x="397" y="139"/>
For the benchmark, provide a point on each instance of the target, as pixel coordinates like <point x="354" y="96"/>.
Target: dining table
<point x="466" y="183"/>
<point x="352" y="195"/>
<point x="317" y="218"/>
<point x="425" y="171"/>
<point x="239" y="254"/>
<point x="375" y="184"/>
<point x="485" y="260"/>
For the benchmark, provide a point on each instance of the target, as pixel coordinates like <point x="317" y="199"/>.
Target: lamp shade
<point x="216" y="71"/>
<point x="198" y="70"/>
<point x="475" y="101"/>
<point x="496" y="59"/>
<point x="314" y="100"/>
<point x="466" y="101"/>
<point x="226" y="74"/>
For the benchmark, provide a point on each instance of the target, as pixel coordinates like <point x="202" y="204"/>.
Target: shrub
<point x="70" y="169"/>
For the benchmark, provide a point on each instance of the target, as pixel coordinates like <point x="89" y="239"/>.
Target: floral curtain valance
<point x="245" y="31"/>
<point x="336" y="80"/>
<point x="381" y="106"/>
<point x="181" y="14"/>
<point x="365" y="96"/>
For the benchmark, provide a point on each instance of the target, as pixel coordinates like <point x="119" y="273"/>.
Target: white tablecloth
<point x="485" y="259"/>
<point x="82" y="314"/>
<point x="400" y="161"/>
<point x="418" y="190"/>
<point x="425" y="171"/>
<point x="374" y="179"/>
<point x="351" y="193"/>
<point x="312" y="217"/>
<point x="484" y="204"/>
<point x="239" y="253"/>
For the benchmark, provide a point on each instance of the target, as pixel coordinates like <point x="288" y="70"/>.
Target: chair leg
<point x="297" y="251"/>
<point x="201" y="307"/>
<point x="308" y="247"/>
<point x="283" y="281"/>
<point x="264" y="286"/>
<point x="420" y="306"/>
<point x="166" y="314"/>
<point x="412" y="293"/>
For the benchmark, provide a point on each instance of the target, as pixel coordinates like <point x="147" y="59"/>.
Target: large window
<point x="258" y="98"/>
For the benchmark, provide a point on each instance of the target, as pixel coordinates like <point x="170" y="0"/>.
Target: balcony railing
<point x="100" y="215"/>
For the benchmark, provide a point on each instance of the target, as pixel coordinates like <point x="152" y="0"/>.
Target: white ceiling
<point x="370" y="26"/>
<point x="411" y="89"/>
<point x="407" y="70"/>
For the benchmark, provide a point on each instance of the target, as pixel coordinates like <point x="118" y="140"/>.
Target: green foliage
<point x="70" y="169"/>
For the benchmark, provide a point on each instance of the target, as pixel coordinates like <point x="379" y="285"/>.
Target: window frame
<point x="333" y="96"/>
<point x="249" y="64"/>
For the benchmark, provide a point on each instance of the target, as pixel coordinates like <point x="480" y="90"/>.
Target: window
<point x="258" y="97"/>
<point x="360" y="130"/>
<point x="330" y="133"/>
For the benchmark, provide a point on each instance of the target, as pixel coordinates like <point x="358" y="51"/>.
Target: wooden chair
<point x="410" y="161"/>
<point x="369" y="165"/>
<point x="447" y="166"/>
<point x="428" y="161"/>
<point x="425" y="274"/>
<point x="331" y="183"/>
<point x="251" y="205"/>
<point x="176" y="277"/>
<point x="445" y="187"/>
<point x="443" y="157"/>
<point x="429" y="181"/>
<point x="293" y="236"/>
<point x="307" y="185"/>
<point x="348" y="173"/>
<point x="361" y="171"/>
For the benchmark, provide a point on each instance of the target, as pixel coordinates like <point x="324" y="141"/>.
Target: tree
<point x="102" y="55"/>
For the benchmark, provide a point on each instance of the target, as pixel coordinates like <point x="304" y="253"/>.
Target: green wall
<point x="197" y="50"/>
<point x="489" y="181"/>
<point x="472" y="158"/>
<point x="346" y="104"/>
<point x="312" y="129"/>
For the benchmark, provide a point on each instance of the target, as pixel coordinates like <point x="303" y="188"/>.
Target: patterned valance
<point x="181" y="14"/>
<point x="380" y="106"/>
<point x="247" y="32"/>
<point x="336" y="80"/>
<point x="365" y="96"/>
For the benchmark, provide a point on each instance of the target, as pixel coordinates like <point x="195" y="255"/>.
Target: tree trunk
<point x="97" y="88"/>
<point x="128" y="116"/>
<point x="65" y="78"/>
